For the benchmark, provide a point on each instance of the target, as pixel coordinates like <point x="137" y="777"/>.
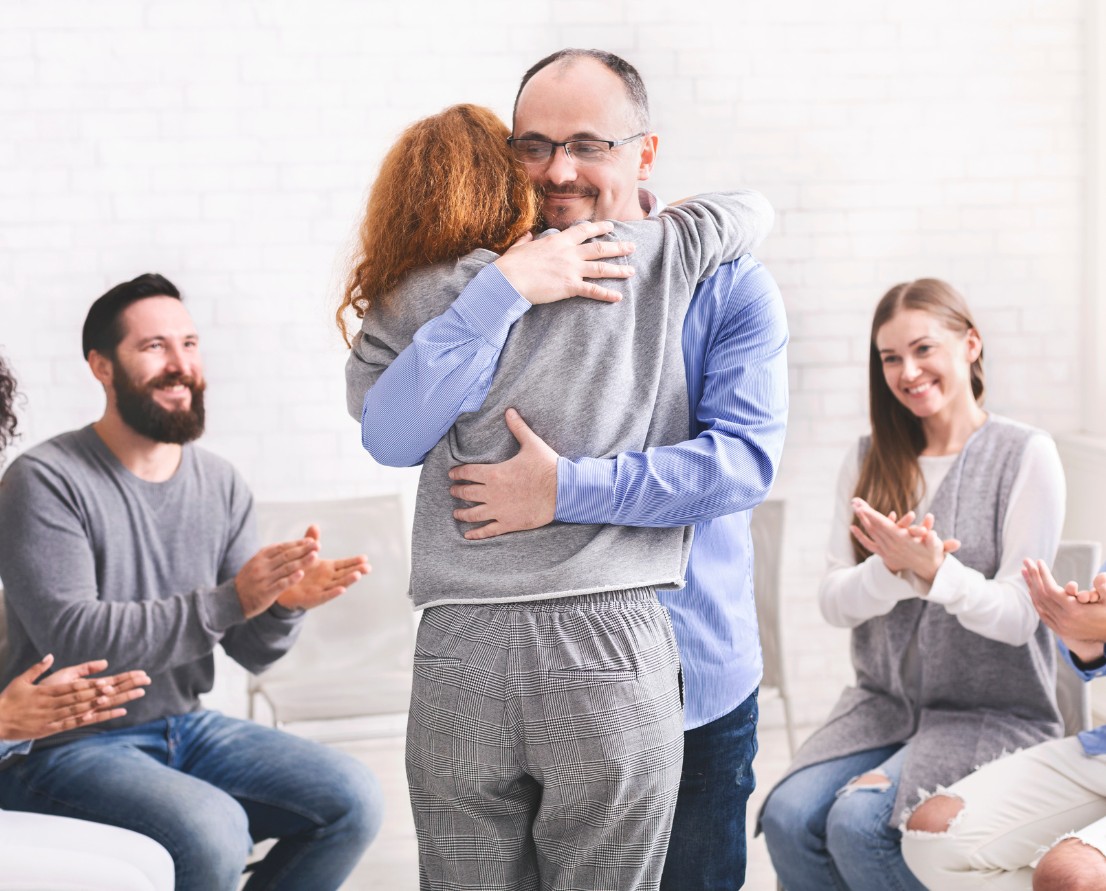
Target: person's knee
<point x="1071" y="866"/>
<point x="935" y="815"/>
<point x="931" y="847"/>
<point x="210" y="846"/>
<point x="356" y="799"/>
<point x="784" y="820"/>
<point x="858" y="819"/>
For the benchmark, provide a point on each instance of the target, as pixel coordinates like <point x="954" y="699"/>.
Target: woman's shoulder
<point x="1012" y="424"/>
<point x="1017" y="433"/>
<point x="445" y="274"/>
<point x="428" y="291"/>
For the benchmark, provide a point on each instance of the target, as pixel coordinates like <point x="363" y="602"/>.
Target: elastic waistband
<point x="598" y="600"/>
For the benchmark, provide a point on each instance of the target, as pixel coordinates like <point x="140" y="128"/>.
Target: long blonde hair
<point x="890" y="478"/>
<point x="449" y="185"/>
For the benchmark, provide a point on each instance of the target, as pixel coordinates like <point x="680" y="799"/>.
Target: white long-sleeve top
<point x="998" y="608"/>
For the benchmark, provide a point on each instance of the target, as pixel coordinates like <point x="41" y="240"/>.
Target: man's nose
<point x="560" y="168"/>
<point x="176" y="359"/>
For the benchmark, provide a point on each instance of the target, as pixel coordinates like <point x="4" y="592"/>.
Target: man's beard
<point x="559" y="219"/>
<point x="141" y="413"/>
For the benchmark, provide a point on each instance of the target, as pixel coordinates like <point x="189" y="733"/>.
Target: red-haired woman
<point x="935" y="512"/>
<point x="545" y="733"/>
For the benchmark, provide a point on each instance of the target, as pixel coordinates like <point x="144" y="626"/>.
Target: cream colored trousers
<point x="1014" y="810"/>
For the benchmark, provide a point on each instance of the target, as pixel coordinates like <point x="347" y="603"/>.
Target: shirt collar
<point x="650" y="203"/>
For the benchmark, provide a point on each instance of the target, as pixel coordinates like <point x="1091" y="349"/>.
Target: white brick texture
<point x="229" y="145"/>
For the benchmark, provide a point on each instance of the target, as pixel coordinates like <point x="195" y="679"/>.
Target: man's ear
<point x="648" y="156"/>
<point x="103" y="369"/>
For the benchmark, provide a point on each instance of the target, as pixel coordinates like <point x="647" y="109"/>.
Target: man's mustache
<point x="563" y="192"/>
<point x="173" y="378"/>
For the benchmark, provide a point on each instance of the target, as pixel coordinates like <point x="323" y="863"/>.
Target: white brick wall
<point x="229" y="144"/>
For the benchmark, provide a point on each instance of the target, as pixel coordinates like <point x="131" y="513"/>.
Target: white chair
<point x="38" y="851"/>
<point x="1075" y="561"/>
<point x="767" y="533"/>
<point x="354" y="657"/>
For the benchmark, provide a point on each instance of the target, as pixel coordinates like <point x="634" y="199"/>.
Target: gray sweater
<point x="978" y="698"/>
<point x="591" y="379"/>
<point x="97" y="563"/>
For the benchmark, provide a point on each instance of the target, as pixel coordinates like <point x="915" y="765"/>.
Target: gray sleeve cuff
<point x="221" y="608"/>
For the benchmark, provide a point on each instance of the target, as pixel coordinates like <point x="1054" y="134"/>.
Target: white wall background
<point x="228" y="145"/>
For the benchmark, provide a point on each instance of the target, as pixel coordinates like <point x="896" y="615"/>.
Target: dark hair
<point x="627" y="73"/>
<point x="7" y="406"/>
<point x="890" y="478"/>
<point x="102" y="331"/>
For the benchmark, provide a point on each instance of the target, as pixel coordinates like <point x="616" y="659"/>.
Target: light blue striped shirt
<point x="734" y="341"/>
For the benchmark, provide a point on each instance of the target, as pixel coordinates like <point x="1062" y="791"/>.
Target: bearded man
<point x="124" y="540"/>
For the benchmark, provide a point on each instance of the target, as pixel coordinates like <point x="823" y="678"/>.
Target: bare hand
<point x="517" y="494"/>
<point x="900" y="544"/>
<point x="922" y="530"/>
<point x="271" y="571"/>
<point x="1078" y="620"/>
<point x="558" y="266"/>
<point x="67" y="699"/>
<point x="324" y="579"/>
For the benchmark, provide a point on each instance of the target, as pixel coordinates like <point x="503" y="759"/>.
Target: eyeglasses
<point x="582" y="151"/>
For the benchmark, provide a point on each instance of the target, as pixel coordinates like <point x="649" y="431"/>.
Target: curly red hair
<point x="449" y="185"/>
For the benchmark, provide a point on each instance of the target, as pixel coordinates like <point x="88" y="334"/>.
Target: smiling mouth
<point x="919" y="389"/>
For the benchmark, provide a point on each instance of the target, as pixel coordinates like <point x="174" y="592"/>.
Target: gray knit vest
<point x="592" y="380"/>
<point x="978" y="698"/>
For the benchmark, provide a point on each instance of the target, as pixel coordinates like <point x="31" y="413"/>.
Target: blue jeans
<point x="206" y="787"/>
<point x="706" y="851"/>
<point x="821" y="836"/>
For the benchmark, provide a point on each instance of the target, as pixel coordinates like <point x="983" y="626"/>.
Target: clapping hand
<point x="66" y="699"/>
<point x="900" y="542"/>
<point x="323" y="580"/>
<point x="1077" y="617"/>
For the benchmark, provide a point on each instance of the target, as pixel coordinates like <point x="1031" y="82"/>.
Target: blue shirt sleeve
<point x="740" y="416"/>
<point x="412" y="399"/>
<point x="1083" y="673"/>
<point x="9" y="747"/>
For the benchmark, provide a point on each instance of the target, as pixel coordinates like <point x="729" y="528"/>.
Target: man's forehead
<point x="156" y="316"/>
<point x="579" y="97"/>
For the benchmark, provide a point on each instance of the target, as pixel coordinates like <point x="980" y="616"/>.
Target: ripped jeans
<point x="822" y="836"/>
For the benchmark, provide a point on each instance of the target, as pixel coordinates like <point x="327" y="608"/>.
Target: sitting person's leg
<point x="794" y="819"/>
<point x="1003" y="815"/>
<point x="324" y="806"/>
<point x="862" y="833"/>
<point x="40" y="851"/>
<point x="121" y="778"/>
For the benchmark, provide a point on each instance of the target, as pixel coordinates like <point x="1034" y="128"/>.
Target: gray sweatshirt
<point x="97" y="563"/>
<point x="590" y="379"/>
